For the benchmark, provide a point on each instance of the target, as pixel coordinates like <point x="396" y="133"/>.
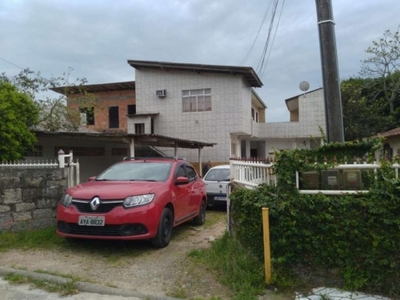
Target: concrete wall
<point x="28" y="197"/>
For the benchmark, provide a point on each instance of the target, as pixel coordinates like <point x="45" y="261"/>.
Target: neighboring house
<point x="391" y="144"/>
<point x="218" y="104"/>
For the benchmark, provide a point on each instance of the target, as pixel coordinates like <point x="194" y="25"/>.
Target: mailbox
<point x="330" y="179"/>
<point x="352" y="180"/>
<point x="309" y="181"/>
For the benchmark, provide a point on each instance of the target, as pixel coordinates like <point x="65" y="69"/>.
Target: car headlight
<point x="66" y="200"/>
<point x="132" y="201"/>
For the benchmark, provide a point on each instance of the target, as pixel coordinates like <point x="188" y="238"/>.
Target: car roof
<point x="221" y="167"/>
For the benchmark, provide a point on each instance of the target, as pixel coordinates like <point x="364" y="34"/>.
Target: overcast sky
<point x="96" y="38"/>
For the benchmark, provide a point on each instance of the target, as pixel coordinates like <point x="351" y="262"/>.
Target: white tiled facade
<point x="229" y="123"/>
<point x="226" y="115"/>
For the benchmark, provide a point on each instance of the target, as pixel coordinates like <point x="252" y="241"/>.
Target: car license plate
<point x="219" y="198"/>
<point x="91" y="220"/>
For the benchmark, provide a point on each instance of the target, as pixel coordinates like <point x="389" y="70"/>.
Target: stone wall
<point x="29" y="197"/>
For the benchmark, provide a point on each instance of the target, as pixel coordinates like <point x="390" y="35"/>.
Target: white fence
<point x="253" y="173"/>
<point x="64" y="160"/>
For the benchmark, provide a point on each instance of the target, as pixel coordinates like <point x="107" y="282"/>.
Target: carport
<point x="132" y="140"/>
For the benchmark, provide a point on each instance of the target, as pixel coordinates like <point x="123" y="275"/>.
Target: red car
<point x="137" y="199"/>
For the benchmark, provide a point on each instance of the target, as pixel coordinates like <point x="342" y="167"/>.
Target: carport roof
<point x="247" y="72"/>
<point x="140" y="139"/>
<point x="91" y="88"/>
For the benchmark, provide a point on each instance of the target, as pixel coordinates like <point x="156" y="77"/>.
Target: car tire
<point x="164" y="230"/>
<point x="200" y="219"/>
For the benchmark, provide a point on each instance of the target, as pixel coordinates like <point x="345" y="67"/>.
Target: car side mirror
<point x="181" y="180"/>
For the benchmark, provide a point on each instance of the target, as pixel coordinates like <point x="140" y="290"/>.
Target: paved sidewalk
<point x="335" y="294"/>
<point x="87" y="291"/>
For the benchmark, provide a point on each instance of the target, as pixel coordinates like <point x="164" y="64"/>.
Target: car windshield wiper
<point x="151" y="180"/>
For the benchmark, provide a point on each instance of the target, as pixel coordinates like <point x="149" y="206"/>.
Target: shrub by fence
<point x="351" y="241"/>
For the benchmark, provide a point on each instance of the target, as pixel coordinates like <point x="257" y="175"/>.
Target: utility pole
<point x="330" y="71"/>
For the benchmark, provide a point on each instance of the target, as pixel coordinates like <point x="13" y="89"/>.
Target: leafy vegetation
<point x="53" y="112"/>
<point x="353" y="239"/>
<point x="371" y="102"/>
<point x="18" y="113"/>
<point x="242" y="272"/>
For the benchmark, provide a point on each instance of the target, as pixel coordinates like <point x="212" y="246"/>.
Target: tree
<point x="383" y="67"/>
<point x="54" y="114"/>
<point x="18" y="114"/>
<point x="363" y="116"/>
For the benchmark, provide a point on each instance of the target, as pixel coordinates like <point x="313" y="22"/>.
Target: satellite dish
<point x="304" y="86"/>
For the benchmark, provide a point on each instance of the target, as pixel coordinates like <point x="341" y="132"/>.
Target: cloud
<point x="97" y="37"/>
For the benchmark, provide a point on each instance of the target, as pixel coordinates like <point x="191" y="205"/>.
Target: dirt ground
<point x="158" y="272"/>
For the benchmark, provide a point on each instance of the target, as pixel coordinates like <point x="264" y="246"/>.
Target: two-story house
<point x="219" y="104"/>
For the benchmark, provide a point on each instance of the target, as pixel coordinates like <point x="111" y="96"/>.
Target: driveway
<point x="146" y="270"/>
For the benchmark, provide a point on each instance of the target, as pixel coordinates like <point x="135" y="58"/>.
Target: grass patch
<point x="30" y="239"/>
<point x="47" y="239"/>
<point x="241" y="272"/>
<point x="62" y="289"/>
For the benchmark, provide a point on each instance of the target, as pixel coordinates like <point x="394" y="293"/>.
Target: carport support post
<point x="175" y="151"/>
<point x="132" y="147"/>
<point x="199" y="159"/>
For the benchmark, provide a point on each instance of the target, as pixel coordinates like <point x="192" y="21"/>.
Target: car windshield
<point x="137" y="171"/>
<point x="218" y="175"/>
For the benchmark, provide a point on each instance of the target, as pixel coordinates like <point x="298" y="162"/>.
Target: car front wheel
<point x="164" y="231"/>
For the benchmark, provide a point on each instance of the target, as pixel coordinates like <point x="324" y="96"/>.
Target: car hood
<point x="111" y="189"/>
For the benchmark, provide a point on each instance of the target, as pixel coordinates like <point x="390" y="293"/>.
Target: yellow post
<point x="267" y="249"/>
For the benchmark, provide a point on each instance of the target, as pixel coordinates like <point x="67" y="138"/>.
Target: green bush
<point x="357" y="235"/>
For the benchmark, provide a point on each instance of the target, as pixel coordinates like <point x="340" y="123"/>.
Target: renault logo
<point x="94" y="204"/>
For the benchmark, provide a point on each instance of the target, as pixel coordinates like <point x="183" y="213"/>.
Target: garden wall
<point x="29" y="196"/>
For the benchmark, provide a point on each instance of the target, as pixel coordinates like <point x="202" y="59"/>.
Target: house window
<point x="252" y="113"/>
<point x="257" y="117"/>
<point x="87" y="114"/>
<point x="196" y="100"/>
<point x="139" y="128"/>
<point x="113" y="117"/>
<point x="131" y="109"/>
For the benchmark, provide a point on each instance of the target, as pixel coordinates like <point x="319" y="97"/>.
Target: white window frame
<point x="193" y="96"/>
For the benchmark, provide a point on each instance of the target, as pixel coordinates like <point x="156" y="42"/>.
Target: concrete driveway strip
<point x="87" y="291"/>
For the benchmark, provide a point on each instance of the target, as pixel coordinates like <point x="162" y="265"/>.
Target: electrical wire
<point x="273" y="39"/>
<point x="12" y="63"/>
<point x="260" y="67"/>
<point x="258" y="33"/>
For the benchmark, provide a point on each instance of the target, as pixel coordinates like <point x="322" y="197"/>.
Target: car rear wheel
<point x="200" y="219"/>
<point x="164" y="231"/>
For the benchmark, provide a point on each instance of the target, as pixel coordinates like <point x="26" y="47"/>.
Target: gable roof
<point x="91" y="88"/>
<point x="247" y="72"/>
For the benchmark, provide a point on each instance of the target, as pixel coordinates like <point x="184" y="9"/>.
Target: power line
<point x="276" y="30"/>
<point x="12" y="63"/>
<point x="260" y="67"/>
<point x="259" y="29"/>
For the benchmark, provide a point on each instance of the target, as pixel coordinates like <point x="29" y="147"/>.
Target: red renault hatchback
<point x="136" y="199"/>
